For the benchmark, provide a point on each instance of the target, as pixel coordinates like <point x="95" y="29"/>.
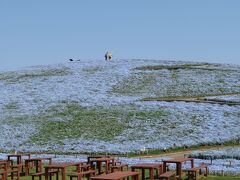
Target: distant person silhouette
<point x="108" y="56"/>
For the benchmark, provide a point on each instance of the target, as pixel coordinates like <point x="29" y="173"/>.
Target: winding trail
<point x="198" y="99"/>
<point x="184" y="152"/>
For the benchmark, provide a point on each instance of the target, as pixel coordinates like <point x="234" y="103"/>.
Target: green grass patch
<point x="13" y="77"/>
<point x="181" y="83"/>
<point x="172" y="67"/>
<point x="135" y="84"/>
<point x="71" y="121"/>
<point x="202" y="66"/>
<point x="76" y="121"/>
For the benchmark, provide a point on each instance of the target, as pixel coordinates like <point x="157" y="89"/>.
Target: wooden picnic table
<point x="62" y="167"/>
<point x="117" y="176"/>
<point x="150" y="166"/>
<point x="18" y="157"/>
<point x="4" y="167"/>
<point x="99" y="162"/>
<point x="37" y="162"/>
<point x="178" y="162"/>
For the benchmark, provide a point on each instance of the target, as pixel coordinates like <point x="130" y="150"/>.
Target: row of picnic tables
<point x="100" y="163"/>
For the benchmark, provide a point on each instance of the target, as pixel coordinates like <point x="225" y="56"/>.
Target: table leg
<point x="164" y="167"/>
<point x="192" y="164"/>
<point x="37" y="166"/>
<point x="46" y="173"/>
<point x="107" y="163"/>
<point x="79" y="168"/>
<point x="18" y="160"/>
<point x="136" y="177"/>
<point x="143" y="174"/>
<point x="151" y="172"/>
<point x="99" y="165"/>
<point x="180" y="170"/>
<point x="40" y="166"/>
<point x="207" y="171"/>
<point x="64" y="174"/>
<point x="26" y="168"/>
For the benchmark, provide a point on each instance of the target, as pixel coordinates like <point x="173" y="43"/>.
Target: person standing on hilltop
<point x="108" y="56"/>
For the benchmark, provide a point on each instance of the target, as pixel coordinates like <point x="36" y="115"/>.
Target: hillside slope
<point x="118" y="106"/>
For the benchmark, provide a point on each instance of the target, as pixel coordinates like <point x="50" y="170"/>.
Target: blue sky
<point x="52" y="31"/>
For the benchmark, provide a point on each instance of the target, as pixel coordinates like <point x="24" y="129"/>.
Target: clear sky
<point x="52" y="31"/>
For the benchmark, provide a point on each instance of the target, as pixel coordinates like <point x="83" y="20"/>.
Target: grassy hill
<point x="119" y="106"/>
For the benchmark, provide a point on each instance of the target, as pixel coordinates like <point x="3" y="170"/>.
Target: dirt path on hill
<point x="199" y="99"/>
<point x="184" y="152"/>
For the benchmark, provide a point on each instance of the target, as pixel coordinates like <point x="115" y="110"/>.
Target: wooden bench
<point x="19" y="168"/>
<point x="168" y="175"/>
<point x="3" y="175"/>
<point x="14" y="174"/>
<point x="119" y="167"/>
<point x="40" y="174"/>
<point x="196" y="172"/>
<point x="89" y="173"/>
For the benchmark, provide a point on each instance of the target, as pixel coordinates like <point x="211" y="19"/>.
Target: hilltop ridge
<point x="100" y="106"/>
